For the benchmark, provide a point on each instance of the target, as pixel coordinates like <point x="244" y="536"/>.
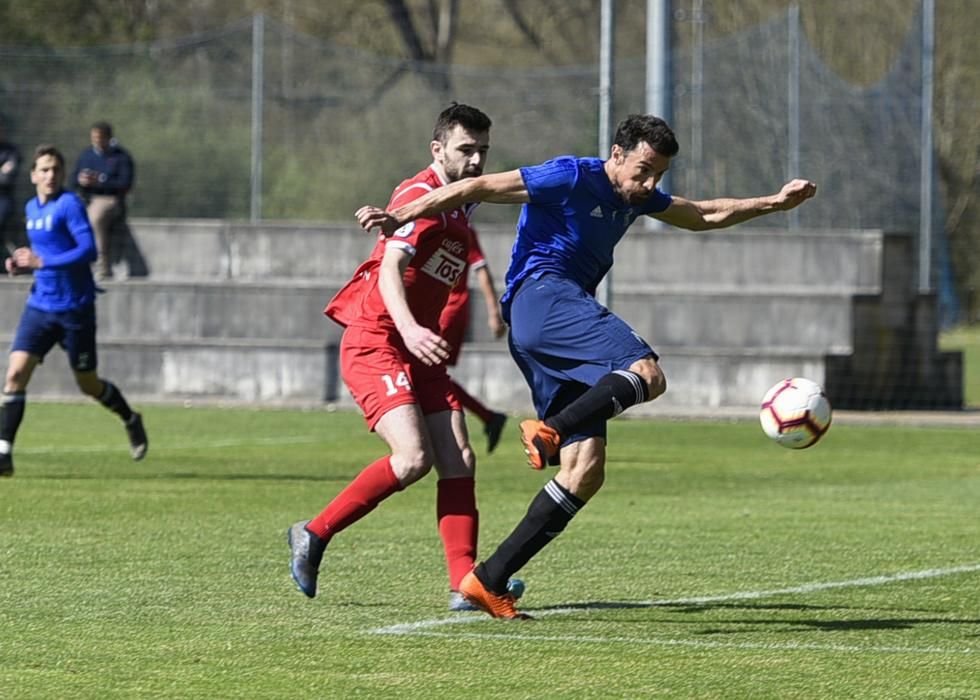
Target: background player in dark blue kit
<point x="61" y="305"/>
<point x="583" y="364"/>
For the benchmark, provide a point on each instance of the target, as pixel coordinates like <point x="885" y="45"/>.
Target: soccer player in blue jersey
<point x="583" y="364"/>
<point x="61" y="305"/>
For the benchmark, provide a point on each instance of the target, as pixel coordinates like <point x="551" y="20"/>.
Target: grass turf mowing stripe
<point x="208" y="445"/>
<point x="763" y="646"/>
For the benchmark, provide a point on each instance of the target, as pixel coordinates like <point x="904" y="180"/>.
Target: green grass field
<point x="714" y="564"/>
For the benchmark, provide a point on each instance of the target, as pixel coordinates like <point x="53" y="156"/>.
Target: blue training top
<point x="61" y="236"/>
<point x="571" y="224"/>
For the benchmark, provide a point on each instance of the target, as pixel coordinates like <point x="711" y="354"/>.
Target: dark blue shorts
<point x="564" y="341"/>
<point x="74" y="330"/>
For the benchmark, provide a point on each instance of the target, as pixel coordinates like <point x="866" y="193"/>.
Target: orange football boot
<point x="493" y="604"/>
<point x="541" y="442"/>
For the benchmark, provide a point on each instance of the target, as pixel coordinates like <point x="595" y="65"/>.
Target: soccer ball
<point x="795" y="413"/>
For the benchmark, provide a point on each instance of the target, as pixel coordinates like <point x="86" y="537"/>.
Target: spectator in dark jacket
<point x="9" y="166"/>
<point x="103" y="177"/>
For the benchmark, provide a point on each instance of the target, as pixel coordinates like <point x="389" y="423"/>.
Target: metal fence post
<point x="606" y="73"/>
<point x="258" y="65"/>
<point x="658" y="82"/>
<point x="925" y="174"/>
<point x="793" y="106"/>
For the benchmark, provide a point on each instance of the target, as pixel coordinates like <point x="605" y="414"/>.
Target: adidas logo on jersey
<point x="597" y="212"/>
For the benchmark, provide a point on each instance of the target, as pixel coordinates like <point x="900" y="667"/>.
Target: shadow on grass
<point x="792" y="624"/>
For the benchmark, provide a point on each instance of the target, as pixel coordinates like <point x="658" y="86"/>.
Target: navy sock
<point x="546" y="517"/>
<point x="610" y="396"/>
<point x="12" y="407"/>
<point x="113" y="399"/>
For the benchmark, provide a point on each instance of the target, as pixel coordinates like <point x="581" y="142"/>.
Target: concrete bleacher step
<point x="819" y="321"/>
<point x="832" y="259"/>
<point x="747" y="318"/>
<point x="225" y="250"/>
<point x="233" y="311"/>
<point x="184" y="368"/>
<point x="293" y="310"/>
<point x="285" y="310"/>
<point x="857" y="261"/>
<point x="696" y="376"/>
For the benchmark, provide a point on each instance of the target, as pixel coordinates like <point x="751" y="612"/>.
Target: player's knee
<point x="16" y="379"/>
<point x="656" y="386"/>
<point x="456" y="463"/>
<point x="651" y="373"/>
<point x="89" y="385"/>
<point x="412" y="465"/>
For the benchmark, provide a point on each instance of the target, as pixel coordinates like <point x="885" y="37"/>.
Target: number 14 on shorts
<point x="400" y="380"/>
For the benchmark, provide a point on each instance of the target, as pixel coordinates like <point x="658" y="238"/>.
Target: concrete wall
<point x="231" y="310"/>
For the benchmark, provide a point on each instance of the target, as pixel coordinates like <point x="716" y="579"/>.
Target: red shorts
<point x="381" y="375"/>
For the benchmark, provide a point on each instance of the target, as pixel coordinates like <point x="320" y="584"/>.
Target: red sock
<point x="375" y="483"/>
<point x="458" y="525"/>
<point x="471" y="404"/>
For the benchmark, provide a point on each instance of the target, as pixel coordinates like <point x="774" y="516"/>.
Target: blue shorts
<point x="74" y="330"/>
<point x="564" y="341"/>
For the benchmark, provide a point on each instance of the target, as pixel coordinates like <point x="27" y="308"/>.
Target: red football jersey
<point x="460" y="293"/>
<point x="439" y="247"/>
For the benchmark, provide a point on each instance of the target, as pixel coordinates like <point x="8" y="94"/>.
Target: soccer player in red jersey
<point x="393" y="361"/>
<point x="452" y="327"/>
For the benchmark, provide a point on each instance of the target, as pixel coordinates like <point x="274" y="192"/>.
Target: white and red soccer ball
<point x="795" y="413"/>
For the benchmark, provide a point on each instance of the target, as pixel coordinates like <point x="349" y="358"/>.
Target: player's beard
<point x="620" y="192"/>
<point x="631" y="197"/>
<point x="454" y="174"/>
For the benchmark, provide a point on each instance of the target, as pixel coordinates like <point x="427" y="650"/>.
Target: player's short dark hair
<point x="47" y="149"/>
<point x="103" y="128"/>
<point x="637" y="128"/>
<point x="470" y="118"/>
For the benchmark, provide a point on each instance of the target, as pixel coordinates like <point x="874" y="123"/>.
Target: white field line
<point x="211" y="444"/>
<point x="426" y="628"/>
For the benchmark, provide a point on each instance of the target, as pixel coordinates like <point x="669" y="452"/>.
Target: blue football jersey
<point x="61" y="236"/>
<point x="571" y="224"/>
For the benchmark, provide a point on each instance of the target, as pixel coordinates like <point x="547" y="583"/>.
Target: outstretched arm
<point x="497" y="188"/>
<point x="719" y="213"/>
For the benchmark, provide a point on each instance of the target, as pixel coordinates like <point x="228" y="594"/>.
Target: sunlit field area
<point x="713" y="564"/>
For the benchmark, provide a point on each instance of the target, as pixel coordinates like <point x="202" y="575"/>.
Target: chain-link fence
<point x="256" y="120"/>
<point x="326" y="128"/>
<point x="338" y="127"/>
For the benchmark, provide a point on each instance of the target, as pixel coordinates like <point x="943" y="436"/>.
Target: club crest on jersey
<point x="444" y="266"/>
<point x="405" y="231"/>
<point x="40" y="224"/>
